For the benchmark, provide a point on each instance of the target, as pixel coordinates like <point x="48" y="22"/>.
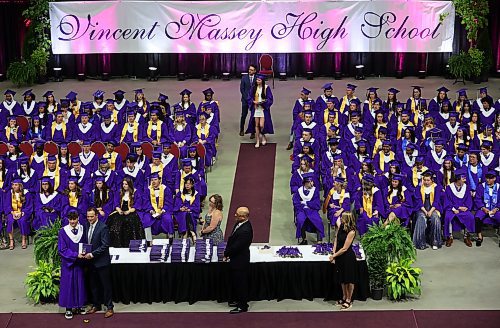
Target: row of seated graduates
<point x="81" y="164"/>
<point x="346" y="139"/>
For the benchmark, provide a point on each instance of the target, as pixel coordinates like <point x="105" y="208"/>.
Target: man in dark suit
<point x="237" y="252"/>
<point x="97" y="234"/>
<point x="247" y="81"/>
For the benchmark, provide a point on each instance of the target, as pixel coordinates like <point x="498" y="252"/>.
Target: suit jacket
<point x="238" y="246"/>
<point x="245" y="87"/>
<point x="100" y="244"/>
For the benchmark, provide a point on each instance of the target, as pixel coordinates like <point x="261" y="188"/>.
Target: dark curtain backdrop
<point x="12" y="31"/>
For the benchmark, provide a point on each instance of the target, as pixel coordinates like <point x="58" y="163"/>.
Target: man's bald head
<point x="242" y="214"/>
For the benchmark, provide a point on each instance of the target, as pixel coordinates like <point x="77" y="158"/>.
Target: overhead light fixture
<point x="360" y="74"/>
<point x="153" y="73"/>
<point x="58" y="74"/>
<point x="181" y="76"/>
<point x="282" y="76"/>
<point x="81" y="76"/>
<point x="422" y="74"/>
<point x="226" y="76"/>
<point x="310" y="75"/>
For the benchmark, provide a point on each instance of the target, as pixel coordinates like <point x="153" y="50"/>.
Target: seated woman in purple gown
<point x="27" y="174"/>
<point x="337" y="201"/>
<point x="399" y="201"/>
<point x="428" y="209"/>
<point x="72" y="295"/>
<point x="187" y="209"/>
<point x="487" y="204"/>
<point x="306" y="205"/>
<point x="35" y="130"/>
<point x="64" y="157"/>
<point x="297" y="175"/>
<point x="457" y="208"/>
<point x="18" y="207"/>
<point x="157" y="210"/>
<point x="12" y="132"/>
<point x="48" y="204"/>
<point x="370" y="204"/>
<point x="124" y="223"/>
<point x="181" y="133"/>
<point x="101" y="198"/>
<point x="260" y="100"/>
<point x="11" y="156"/>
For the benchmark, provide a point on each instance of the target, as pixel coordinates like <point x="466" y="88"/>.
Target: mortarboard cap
<point x="382" y="129"/>
<point x="486" y="144"/>
<point x="355" y="113"/>
<point x="75" y="160"/>
<point x="461" y="173"/>
<point x="351" y="87"/>
<point x="462" y="146"/>
<point x="339" y="179"/>
<point x="372" y="89"/>
<point x="386" y="142"/>
<point x="411" y="145"/>
<point x="155" y="175"/>
<point x="162" y="97"/>
<point x="483" y="90"/>
<point x="491" y="174"/>
<point x="358" y="129"/>
<point x="48" y="93"/>
<point x="261" y="76"/>
<point x="208" y="91"/>
<point x="103" y="161"/>
<point x="333" y="141"/>
<point x="98" y="94"/>
<point x="306" y="177"/>
<point x="186" y="162"/>
<point x="17" y="179"/>
<point x="398" y="177"/>
<point x="443" y="89"/>
<point x="157" y="154"/>
<point x="106" y="114"/>
<point x="361" y="143"/>
<point x="327" y="86"/>
<point x="135" y="145"/>
<point x="100" y="178"/>
<point x="440" y="142"/>
<point x="119" y="93"/>
<point x="419" y="159"/>
<point x="137" y="91"/>
<point x="393" y="90"/>
<point x="462" y="92"/>
<point x="64" y="102"/>
<point x="71" y="95"/>
<point x="28" y="93"/>
<point x="9" y="92"/>
<point x="185" y="92"/>
<point x="46" y="179"/>
<point x="305" y="91"/>
<point x="73" y="179"/>
<point x="377" y="101"/>
<point x="51" y="158"/>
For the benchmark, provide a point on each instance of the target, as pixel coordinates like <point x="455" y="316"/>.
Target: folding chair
<point x="51" y="148"/>
<point x="147" y="148"/>
<point x="23" y="123"/>
<point x="74" y="148"/>
<point x="26" y="148"/>
<point x="98" y="148"/>
<point x="266" y="65"/>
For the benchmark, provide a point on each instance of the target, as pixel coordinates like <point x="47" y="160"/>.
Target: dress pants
<point x="239" y="279"/>
<point x="100" y="287"/>
<point x="244" y="114"/>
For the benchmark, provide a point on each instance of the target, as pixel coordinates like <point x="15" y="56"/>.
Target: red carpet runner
<point x="253" y="188"/>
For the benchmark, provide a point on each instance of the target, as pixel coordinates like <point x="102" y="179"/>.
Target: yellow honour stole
<point x="63" y="126"/>
<point x="202" y="130"/>
<point x="158" y="169"/>
<point x="1" y="181"/>
<point x="193" y="198"/>
<point x="326" y="113"/>
<point x="7" y="133"/>
<point x="158" y="130"/>
<point x="73" y="200"/>
<point x="157" y="204"/>
<point x="344" y="102"/>
<point x="17" y="206"/>
<point x="114" y="116"/>
<point x="76" y="109"/>
<point x="415" y="175"/>
<point x="112" y="158"/>
<point x="183" y="175"/>
<point x="482" y="138"/>
<point x="368" y="203"/>
<point x="400" y="128"/>
<point x="431" y="196"/>
<point x="376" y="146"/>
<point x="382" y="157"/>
<point x="472" y="130"/>
<point x="134" y="133"/>
<point x="329" y="196"/>
<point x="56" y="176"/>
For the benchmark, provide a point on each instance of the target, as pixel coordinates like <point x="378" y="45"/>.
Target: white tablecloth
<point x="257" y="254"/>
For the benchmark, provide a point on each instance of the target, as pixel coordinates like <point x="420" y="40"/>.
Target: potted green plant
<point x="45" y="244"/>
<point x="21" y="73"/>
<point x="403" y="280"/>
<point x="43" y="283"/>
<point x="476" y="62"/>
<point x="399" y="242"/>
<point x="39" y="58"/>
<point x="459" y="66"/>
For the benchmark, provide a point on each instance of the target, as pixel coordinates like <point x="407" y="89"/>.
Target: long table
<point x="135" y="279"/>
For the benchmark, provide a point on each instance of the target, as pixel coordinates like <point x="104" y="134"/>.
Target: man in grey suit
<point x="97" y="234"/>
<point x="247" y="81"/>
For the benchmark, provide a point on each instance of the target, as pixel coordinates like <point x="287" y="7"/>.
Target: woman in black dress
<point x="345" y="258"/>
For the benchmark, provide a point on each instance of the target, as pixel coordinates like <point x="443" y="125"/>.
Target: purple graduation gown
<point x="72" y="292"/>
<point x="307" y="209"/>
<point x="43" y="218"/>
<point x="452" y="200"/>
<point x="335" y="200"/>
<point x="80" y="208"/>
<point x="89" y="133"/>
<point x="107" y="208"/>
<point x="377" y="205"/>
<point x="403" y="212"/>
<point x="483" y="198"/>
<point x="162" y="223"/>
<point x="182" y="217"/>
<point x="24" y="221"/>
<point x="109" y="133"/>
<point x="89" y="161"/>
<point x="185" y="134"/>
<point x="268" y="122"/>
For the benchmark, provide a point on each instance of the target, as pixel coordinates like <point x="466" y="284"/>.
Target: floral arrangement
<point x="289" y="251"/>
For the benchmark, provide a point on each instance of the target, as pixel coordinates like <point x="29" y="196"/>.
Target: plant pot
<point x="477" y="79"/>
<point x="47" y="300"/>
<point x="376" y="293"/>
<point x="484" y="77"/>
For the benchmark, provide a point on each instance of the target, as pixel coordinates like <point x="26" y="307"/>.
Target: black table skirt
<point x="192" y="282"/>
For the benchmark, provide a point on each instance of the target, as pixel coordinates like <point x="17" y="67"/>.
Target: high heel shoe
<point x="12" y="244"/>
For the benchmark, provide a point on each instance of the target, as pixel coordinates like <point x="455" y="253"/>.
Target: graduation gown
<point x="115" y="161"/>
<point x="268" y="122"/>
<point x="455" y="199"/>
<point x="10" y="109"/>
<point x="79" y="205"/>
<point x="306" y="205"/>
<point x="43" y="209"/>
<point x="110" y="178"/>
<point x="107" y="207"/>
<point x="160" y="222"/>
<point x="109" y="133"/>
<point x="299" y="143"/>
<point x="339" y="201"/>
<point x="89" y="161"/>
<point x="10" y="204"/>
<point x="156" y="132"/>
<point x="30" y="181"/>
<point x="487" y="196"/>
<point x="29" y="108"/>
<point x="61" y="134"/>
<point x="403" y="212"/>
<point x="207" y="134"/>
<point x="130" y="134"/>
<point x="189" y="219"/>
<point x="37" y="163"/>
<point x="435" y="200"/>
<point x="199" y="181"/>
<point x="298" y="107"/>
<point x="435" y="161"/>
<point x="182" y="134"/>
<point x="296" y="179"/>
<point x="489" y="162"/>
<point x="367" y="218"/>
<point x="136" y="175"/>
<point x="476" y="175"/>
<point x="10" y="135"/>
<point x="72" y="292"/>
<point x="87" y="133"/>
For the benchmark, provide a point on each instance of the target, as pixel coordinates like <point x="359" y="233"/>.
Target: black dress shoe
<point x="241" y="134"/>
<point x="232" y="304"/>
<point x="290" y="146"/>
<point x="237" y="310"/>
<point x="252" y="136"/>
<point x="479" y="242"/>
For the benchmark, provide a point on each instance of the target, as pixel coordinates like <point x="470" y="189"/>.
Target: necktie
<point x="251" y="79"/>
<point x="74" y="231"/>
<point x="91" y="231"/>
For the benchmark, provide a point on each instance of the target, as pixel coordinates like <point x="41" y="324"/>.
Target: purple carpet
<point x="351" y="319"/>
<point x="253" y="188"/>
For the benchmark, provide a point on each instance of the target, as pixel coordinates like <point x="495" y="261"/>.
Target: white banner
<point x="251" y="27"/>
